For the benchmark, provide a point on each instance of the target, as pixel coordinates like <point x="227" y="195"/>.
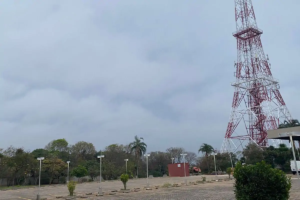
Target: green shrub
<point x="71" y="187"/>
<point x="124" y="179"/>
<point x="166" y="185"/>
<point x="260" y="182"/>
<point x="156" y="174"/>
<point x="80" y="171"/>
<point x="228" y="171"/>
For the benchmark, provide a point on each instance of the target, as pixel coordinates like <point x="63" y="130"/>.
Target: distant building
<point x="177" y="169"/>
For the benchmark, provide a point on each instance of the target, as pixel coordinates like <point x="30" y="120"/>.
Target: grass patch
<point x="166" y="185"/>
<point x="15" y="187"/>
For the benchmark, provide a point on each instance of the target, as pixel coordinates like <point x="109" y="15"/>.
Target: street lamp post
<point x="293" y="149"/>
<point x="126" y="160"/>
<point x="100" y="190"/>
<point x="183" y="155"/>
<point x="172" y="160"/>
<point x="214" y="154"/>
<point x="147" y="155"/>
<point x="40" y="159"/>
<point x="68" y="179"/>
<point x="290" y="135"/>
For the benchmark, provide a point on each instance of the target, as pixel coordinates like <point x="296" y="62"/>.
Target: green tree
<point x="16" y="165"/>
<point x="260" y="182"/>
<point x="93" y="168"/>
<point x="57" y="145"/>
<point x="82" y="151"/>
<point x="283" y="157"/>
<point x="229" y="171"/>
<point x="71" y="187"/>
<point x="207" y="150"/>
<point x="124" y="179"/>
<point x="114" y="164"/>
<point x="224" y="160"/>
<point x="80" y="171"/>
<point x="40" y="153"/>
<point x="253" y="154"/>
<point x="139" y="148"/>
<point x="278" y="157"/>
<point x="158" y="164"/>
<point x="54" y="167"/>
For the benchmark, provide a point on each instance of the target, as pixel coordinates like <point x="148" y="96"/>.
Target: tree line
<point x="18" y="166"/>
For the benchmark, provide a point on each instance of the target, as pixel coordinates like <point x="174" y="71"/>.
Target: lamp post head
<point x="40" y="158"/>
<point x="147" y="155"/>
<point x="101" y="156"/>
<point x="126" y="160"/>
<point x="68" y="162"/>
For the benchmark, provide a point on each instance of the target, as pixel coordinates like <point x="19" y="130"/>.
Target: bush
<point x="203" y="178"/>
<point x="260" y="182"/>
<point x="228" y="171"/>
<point x="79" y="171"/>
<point x="166" y="185"/>
<point x="71" y="187"/>
<point x="156" y="174"/>
<point x="124" y="179"/>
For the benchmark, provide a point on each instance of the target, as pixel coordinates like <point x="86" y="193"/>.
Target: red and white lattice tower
<point x="257" y="102"/>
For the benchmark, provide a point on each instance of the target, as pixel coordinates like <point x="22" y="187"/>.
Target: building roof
<point x="283" y="133"/>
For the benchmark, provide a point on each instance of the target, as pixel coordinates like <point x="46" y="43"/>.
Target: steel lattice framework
<point x="257" y="101"/>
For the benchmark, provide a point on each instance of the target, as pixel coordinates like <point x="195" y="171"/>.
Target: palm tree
<point x="139" y="148"/>
<point x="207" y="149"/>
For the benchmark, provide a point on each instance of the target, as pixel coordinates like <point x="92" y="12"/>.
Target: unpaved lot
<point x="203" y="191"/>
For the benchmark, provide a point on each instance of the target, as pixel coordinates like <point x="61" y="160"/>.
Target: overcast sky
<point x="103" y="71"/>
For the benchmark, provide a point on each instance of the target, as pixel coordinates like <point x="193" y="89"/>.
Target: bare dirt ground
<point x="212" y="190"/>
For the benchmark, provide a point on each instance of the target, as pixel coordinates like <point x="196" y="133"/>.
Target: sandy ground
<point x="202" y="191"/>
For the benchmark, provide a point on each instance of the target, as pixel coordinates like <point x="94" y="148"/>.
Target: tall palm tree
<point x="139" y="148"/>
<point x="207" y="149"/>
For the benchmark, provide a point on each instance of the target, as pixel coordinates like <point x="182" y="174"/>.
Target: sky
<point x="103" y="71"/>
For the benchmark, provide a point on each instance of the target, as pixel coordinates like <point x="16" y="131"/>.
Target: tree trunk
<point x="137" y="166"/>
<point x="137" y="169"/>
<point x="50" y="180"/>
<point x="207" y="162"/>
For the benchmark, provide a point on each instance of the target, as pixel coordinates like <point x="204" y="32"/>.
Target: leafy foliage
<point x="139" y="148"/>
<point x="229" y="171"/>
<point x="260" y="182"/>
<point x="253" y="154"/>
<point x="114" y="164"/>
<point x="124" y="178"/>
<point x="20" y="167"/>
<point x="79" y="171"/>
<point x="40" y="153"/>
<point x="82" y="151"/>
<point x="92" y="168"/>
<point x="206" y="148"/>
<point x="276" y="157"/>
<point x="54" y="167"/>
<point x="71" y="187"/>
<point x="57" y="145"/>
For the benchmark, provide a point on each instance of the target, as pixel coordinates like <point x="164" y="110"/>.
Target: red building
<point x="177" y="169"/>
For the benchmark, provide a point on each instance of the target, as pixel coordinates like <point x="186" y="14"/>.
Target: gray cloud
<point x="104" y="71"/>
